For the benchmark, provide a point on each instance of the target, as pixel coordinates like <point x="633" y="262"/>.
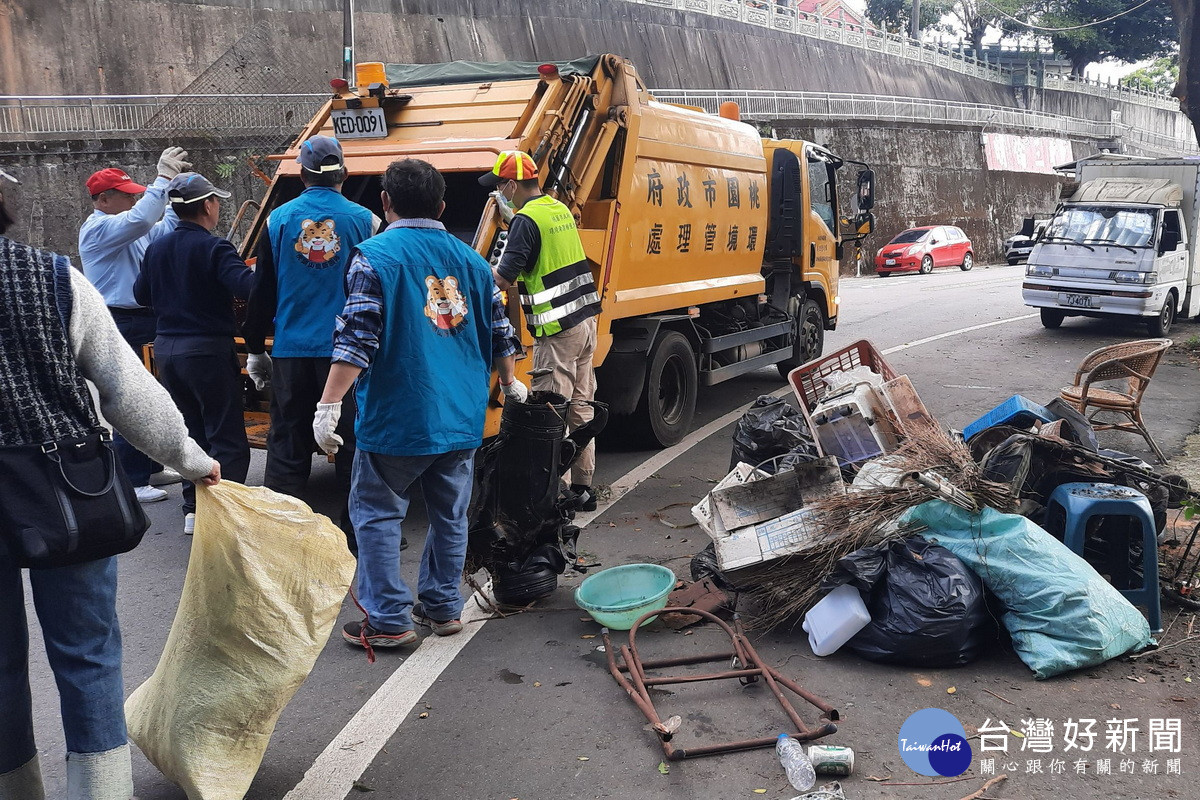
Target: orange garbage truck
<point x="715" y="250"/>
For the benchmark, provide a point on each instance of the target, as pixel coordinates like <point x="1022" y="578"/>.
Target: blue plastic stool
<point x="1081" y="501"/>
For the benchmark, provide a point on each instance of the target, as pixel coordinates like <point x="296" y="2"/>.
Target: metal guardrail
<point x="25" y="117"/>
<point x="59" y="115"/>
<point x="769" y="14"/>
<point x="766" y="106"/>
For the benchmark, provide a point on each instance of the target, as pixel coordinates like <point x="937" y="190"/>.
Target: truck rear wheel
<point x="810" y="334"/>
<point x="1052" y="317"/>
<point x="669" y="398"/>
<point x="1160" y="326"/>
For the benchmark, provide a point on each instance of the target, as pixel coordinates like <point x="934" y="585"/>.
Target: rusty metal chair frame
<point x="747" y="668"/>
<point x="1131" y="362"/>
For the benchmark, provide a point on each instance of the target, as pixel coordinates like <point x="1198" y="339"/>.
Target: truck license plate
<point x="889" y="261"/>
<point x="1079" y="300"/>
<point x="359" y="123"/>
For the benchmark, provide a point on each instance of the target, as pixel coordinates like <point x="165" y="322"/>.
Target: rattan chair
<point x="1131" y="362"/>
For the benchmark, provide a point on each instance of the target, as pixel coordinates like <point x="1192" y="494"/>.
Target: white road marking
<point x="949" y="334"/>
<point x="354" y="749"/>
<point x="349" y="755"/>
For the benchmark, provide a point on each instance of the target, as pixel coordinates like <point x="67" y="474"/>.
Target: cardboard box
<point x="759" y="520"/>
<point x="749" y="503"/>
<point x="706" y="515"/>
<point x="790" y="534"/>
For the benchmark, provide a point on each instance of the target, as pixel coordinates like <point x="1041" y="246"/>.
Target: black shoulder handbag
<point x="66" y="502"/>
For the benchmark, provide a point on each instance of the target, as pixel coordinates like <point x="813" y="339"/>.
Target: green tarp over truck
<point x="480" y="71"/>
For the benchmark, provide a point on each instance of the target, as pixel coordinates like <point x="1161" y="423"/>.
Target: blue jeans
<point x="77" y="609"/>
<point x="379" y="496"/>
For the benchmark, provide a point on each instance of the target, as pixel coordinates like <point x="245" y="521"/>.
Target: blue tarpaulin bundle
<point x="1061" y="613"/>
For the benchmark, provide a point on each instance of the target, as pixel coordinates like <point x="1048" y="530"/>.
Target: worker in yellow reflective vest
<point x="544" y="257"/>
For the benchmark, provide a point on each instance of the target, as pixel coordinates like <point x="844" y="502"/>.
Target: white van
<point x="1123" y="245"/>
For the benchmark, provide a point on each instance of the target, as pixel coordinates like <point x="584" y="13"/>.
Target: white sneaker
<point x="189" y="524"/>
<point x="165" y="477"/>
<point x="148" y="494"/>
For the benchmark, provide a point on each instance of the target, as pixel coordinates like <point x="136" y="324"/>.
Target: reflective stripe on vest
<point x="559" y="292"/>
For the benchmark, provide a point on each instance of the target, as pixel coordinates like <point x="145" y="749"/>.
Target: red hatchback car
<point x="922" y="249"/>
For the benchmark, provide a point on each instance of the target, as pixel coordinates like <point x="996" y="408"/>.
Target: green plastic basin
<point x="617" y="596"/>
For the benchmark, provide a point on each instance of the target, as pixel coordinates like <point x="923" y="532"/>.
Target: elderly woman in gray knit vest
<point x="43" y="364"/>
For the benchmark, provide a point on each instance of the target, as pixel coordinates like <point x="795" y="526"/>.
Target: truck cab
<point x="1121" y="247"/>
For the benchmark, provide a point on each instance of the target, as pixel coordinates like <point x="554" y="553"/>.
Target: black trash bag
<point x="927" y="607"/>
<point x="772" y="427"/>
<point x="1078" y="429"/>
<point x="704" y="565"/>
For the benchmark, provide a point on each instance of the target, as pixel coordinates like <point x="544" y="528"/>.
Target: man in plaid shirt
<point x="422" y="327"/>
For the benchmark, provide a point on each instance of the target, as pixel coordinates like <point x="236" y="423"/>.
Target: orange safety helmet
<point x="511" y="165"/>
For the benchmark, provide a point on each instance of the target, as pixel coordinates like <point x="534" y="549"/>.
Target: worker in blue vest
<point x="422" y="327"/>
<point x="300" y="284"/>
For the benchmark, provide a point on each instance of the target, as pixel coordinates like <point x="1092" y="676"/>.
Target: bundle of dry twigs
<point x="785" y="588"/>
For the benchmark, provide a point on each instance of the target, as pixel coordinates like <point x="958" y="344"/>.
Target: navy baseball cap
<point x="317" y="150"/>
<point x="190" y="187"/>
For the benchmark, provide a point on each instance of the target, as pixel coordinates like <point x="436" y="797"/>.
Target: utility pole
<point x="348" y="40"/>
<point x="916" y="20"/>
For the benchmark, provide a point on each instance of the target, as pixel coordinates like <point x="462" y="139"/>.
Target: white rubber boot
<point x="100" y="776"/>
<point x="23" y="783"/>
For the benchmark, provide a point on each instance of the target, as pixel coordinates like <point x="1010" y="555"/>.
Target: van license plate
<point x="1079" y="300"/>
<point x="359" y="123"/>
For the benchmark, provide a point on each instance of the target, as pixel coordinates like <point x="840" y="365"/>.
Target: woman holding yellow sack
<point x="55" y="333"/>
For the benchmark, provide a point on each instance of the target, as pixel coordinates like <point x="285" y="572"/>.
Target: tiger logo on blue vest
<point x="317" y="246"/>
<point x="444" y="304"/>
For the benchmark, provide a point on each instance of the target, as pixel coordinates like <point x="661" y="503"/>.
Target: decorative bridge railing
<point x="780" y="16"/>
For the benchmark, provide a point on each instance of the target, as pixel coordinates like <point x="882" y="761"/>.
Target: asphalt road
<point x="528" y="710"/>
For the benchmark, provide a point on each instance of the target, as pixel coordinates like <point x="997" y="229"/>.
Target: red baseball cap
<point x="511" y="165"/>
<point x="113" y="178"/>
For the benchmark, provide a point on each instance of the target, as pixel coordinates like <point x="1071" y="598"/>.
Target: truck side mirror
<point x="1168" y="242"/>
<point x="866" y="190"/>
<point x="1027" y="228"/>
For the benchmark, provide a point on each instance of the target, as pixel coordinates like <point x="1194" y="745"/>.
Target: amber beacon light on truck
<point x="715" y="250"/>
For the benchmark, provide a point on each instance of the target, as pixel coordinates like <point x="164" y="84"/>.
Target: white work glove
<point x="515" y="391"/>
<point x="172" y="162"/>
<point x="503" y="206"/>
<point x="324" y="424"/>
<point x="258" y="367"/>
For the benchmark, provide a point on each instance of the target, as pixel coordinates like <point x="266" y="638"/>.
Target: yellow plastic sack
<point x="264" y="585"/>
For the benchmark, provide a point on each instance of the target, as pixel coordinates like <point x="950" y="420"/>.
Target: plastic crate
<point x="1018" y="411"/>
<point x="806" y="379"/>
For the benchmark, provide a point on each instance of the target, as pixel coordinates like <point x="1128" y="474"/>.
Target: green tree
<point x="1160" y="75"/>
<point x="976" y="16"/>
<point x="895" y="16"/>
<point x="1147" y="32"/>
<point x="1188" y="87"/>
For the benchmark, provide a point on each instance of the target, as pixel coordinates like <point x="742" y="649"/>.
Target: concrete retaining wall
<point x="938" y="176"/>
<point x="156" y="46"/>
<point x="51" y="201"/>
<point x="925" y="176"/>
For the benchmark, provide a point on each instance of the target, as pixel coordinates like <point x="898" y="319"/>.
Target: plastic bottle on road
<point x="795" y="762"/>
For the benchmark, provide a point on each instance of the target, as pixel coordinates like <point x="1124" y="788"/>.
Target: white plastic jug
<point x="835" y="619"/>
